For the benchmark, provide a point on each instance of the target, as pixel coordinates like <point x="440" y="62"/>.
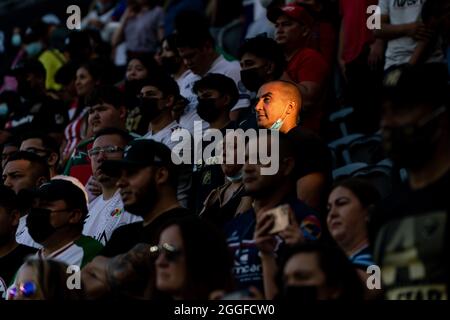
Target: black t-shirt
<point x="411" y="229"/>
<point x="46" y="115"/>
<point x="313" y="154"/>
<point x="207" y="176"/>
<point x="126" y="237"/>
<point x="10" y="264"/>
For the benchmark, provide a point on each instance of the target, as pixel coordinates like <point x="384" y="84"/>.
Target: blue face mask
<point x="279" y="123"/>
<point x="33" y="49"/>
<point x="16" y="40"/>
<point x="3" y="109"/>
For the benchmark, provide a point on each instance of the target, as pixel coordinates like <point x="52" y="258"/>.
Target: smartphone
<point x="281" y="218"/>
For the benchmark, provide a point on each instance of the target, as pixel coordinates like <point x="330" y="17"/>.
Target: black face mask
<point x="38" y="223"/>
<point x="149" y="109"/>
<point x="300" y="293"/>
<point x="207" y="110"/>
<point x="252" y="79"/>
<point x="410" y="146"/>
<point x="170" y="64"/>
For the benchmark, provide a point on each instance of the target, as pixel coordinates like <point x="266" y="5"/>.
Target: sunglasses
<point x="27" y="289"/>
<point x="172" y="253"/>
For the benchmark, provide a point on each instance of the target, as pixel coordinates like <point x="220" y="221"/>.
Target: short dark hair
<point x="366" y="193"/>
<point x="111" y="131"/>
<point x="192" y="30"/>
<point x="338" y="270"/>
<point x="219" y="82"/>
<point x="268" y="49"/>
<point x="8" y="199"/>
<point x="38" y="163"/>
<point x="105" y="94"/>
<point x="163" y="82"/>
<point x="48" y="142"/>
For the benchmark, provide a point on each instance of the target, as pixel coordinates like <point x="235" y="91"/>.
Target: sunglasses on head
<point x="28" y="289"/>
<point x="172" y="253"/>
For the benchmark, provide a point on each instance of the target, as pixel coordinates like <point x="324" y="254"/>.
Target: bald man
<point x="278" y="107"/>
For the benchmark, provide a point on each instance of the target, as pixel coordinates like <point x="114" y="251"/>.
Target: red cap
<point x="292" y="11"/>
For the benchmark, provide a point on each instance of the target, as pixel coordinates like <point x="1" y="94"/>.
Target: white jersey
<point x="22" y="235"/>
<point x="105" y="216"/>
<point x="164" y="135"/>
<point x="399" y="50"/>
<point x="232" y="69"/>
<point x="78" y="252"/>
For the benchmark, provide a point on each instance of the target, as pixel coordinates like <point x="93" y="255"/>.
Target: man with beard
<point x="25" y="171"/>
<point x="12" y="253"/>
<point x="412" y="225"/>
<point x="148" y="187"/>
<point x="217" y="94"/>
<point x="38" y="112"/>
<point x="106" y="212"/>
<point x="56" y="222"/>
<point x="249" y="236"/>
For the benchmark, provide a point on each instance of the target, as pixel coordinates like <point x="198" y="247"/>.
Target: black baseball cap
<point x="140" y="153"/>
<point x="407" y="86"/>
<point x="59" y="189"/>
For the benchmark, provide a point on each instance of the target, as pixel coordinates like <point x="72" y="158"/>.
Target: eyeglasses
<point x="27" y="289"/>
<point x="37" y="150"/>
<point x="95" y="152"/>
<point x="171" y="252"/>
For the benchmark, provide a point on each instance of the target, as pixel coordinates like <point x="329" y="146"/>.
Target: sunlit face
<point x="271" y="105"/>
<point x="171" y="274"/>
<point x="346" y="215"/>
<point x="84" y="82"/>
<point x="136" y="70"/>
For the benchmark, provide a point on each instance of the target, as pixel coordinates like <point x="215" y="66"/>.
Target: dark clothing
<point x="218" y="213"/>
<point x="126" y="237"/>
<point x="10" y="264"/>
<point x="313" y="154"/>
<point x="240" y="230"/>
<point x="207" y="176"/>
<point x="412" y="242"/>
<point x="46" y="115"/>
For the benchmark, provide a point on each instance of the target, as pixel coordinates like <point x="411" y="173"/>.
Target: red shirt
<point x="324" y="40"/>
<point x="308" y="65"/>
<point x="354" y="21"/>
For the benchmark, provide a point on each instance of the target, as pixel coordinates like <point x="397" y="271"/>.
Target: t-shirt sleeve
<point x="311" y="66"/>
